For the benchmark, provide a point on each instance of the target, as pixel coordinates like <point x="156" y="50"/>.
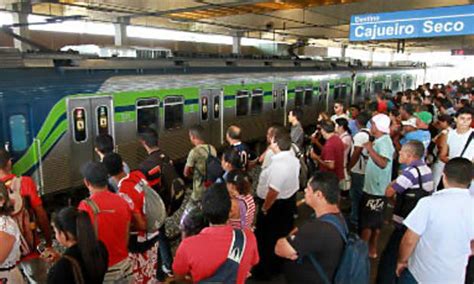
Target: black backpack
<point x="213" y="169"/>
<point x="228" y="271"/>
<point x="407" y="200"/>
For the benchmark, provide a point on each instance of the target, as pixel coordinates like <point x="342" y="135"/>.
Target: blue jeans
<point x="407" y="278"/>
<point x="357" y="185"/>
<point x="388" y="261"/>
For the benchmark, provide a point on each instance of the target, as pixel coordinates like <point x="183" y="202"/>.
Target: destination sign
<point x="436" y="22"/>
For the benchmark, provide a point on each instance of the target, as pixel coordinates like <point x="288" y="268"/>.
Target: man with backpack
<point x="414" y="183"/>
<point x="199" y="164"/>
<point x="317" y="251"/>
<point x="460" y="142"/>
<point x="29" y="214"/>
<point x="219" y="253"/>
<point x="111" y="216"/>
<point x="143" y="243"/>
<point x="163" y="178"/>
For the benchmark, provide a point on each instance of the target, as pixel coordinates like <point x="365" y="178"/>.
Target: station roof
<point x="281" y="20"/>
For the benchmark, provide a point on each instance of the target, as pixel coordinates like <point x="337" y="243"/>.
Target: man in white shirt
<point x="357" y="165"/>
<point x="339" y="112"/>
<point x="277" y="199"/>
<point x="457" y="144"/>
<point x="440" y="231"/>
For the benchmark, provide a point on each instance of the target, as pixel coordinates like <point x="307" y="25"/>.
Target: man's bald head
<point x="234" y="132"/>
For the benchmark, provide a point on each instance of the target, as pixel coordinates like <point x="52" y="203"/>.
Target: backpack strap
<point x="95" y="212"/>
<point x="319" y="269"/>
<point x="76" y="269"/>
<point x="237" y="247"/>
<point x="420" y="182"/>
<point x="340" y="227"/>
<point x="342" y="230"/>
<point x="467" y="143"/>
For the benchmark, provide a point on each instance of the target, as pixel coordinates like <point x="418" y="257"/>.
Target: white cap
<point x="382" y="122"/>
<point x="410" y="122"/>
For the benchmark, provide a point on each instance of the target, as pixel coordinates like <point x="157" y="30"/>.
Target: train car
<point x="50" y="118"/>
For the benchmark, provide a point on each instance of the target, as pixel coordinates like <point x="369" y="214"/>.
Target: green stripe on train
<point x="30" y="157"/>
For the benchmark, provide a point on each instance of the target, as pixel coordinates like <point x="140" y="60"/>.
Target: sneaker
<point x="167" y="270"/>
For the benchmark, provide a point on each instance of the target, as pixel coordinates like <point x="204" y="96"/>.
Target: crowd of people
<point x="406" y="157"/>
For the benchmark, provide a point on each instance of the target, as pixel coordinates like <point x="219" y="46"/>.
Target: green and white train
<point x="50" y="117"/>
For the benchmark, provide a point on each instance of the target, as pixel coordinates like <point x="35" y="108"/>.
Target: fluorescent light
<point x="164" y="34"/>
<point x="6" y="18"/>
<point x="75" y="27"/>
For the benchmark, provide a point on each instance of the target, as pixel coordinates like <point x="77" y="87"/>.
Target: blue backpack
<point x="227" y="272"/>
<point x="354" y="266"/>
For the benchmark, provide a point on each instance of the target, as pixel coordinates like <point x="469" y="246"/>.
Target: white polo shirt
<point x="445" y="223"/>
<point x="282" y="175"/>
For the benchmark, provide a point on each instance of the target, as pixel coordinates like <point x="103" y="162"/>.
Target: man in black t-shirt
<point x="316" y="237"/>
<point x="160" y="174"/>
<point x="234" y="138"/>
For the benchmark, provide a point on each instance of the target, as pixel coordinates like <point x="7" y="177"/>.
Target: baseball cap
<point x="424" y="116"/>
<point x="95" y="173"/>
<point x="410" y="122"/>
<point x="382" y="122"/>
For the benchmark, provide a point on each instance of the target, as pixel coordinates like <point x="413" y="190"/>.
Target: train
<point x="50" y="116"/>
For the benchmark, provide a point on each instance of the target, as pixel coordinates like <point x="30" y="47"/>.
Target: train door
<point x="212" y="114"/>
<point x="19" y="135"/>
<point x="88" y="117"/>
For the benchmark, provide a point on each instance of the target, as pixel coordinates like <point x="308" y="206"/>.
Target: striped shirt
<point x="249" y="212"/>
<point x="409" y="177"/>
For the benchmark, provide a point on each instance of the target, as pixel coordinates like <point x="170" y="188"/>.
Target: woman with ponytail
<point x="242" y="213"/>
<point x="85" y="259"/>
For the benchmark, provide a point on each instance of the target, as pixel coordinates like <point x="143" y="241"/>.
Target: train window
<point x="80" y="124"/>
<point x="217" y="107"/>
<point x="102" y="120"/>
<point x="282" y="98"/>
<point x="308" y="96"/>
<point x="242" y="103"/>
<point x="18" y="132"/>
<point x="256" y="105"/>
<point x="337" y="91"/>
<point x="174" y="112"/>
<point x="409" y="83"/>
<point x="395" y="86"/>
<point x="358" y="89"/>
<point x="147" y="114"/>
<point x="378" y="87"/>
<point x="299" y="97"/>
<point x="343" y="92"/>
<point x="275" y="98"/>
<point x="204" y="108"/>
